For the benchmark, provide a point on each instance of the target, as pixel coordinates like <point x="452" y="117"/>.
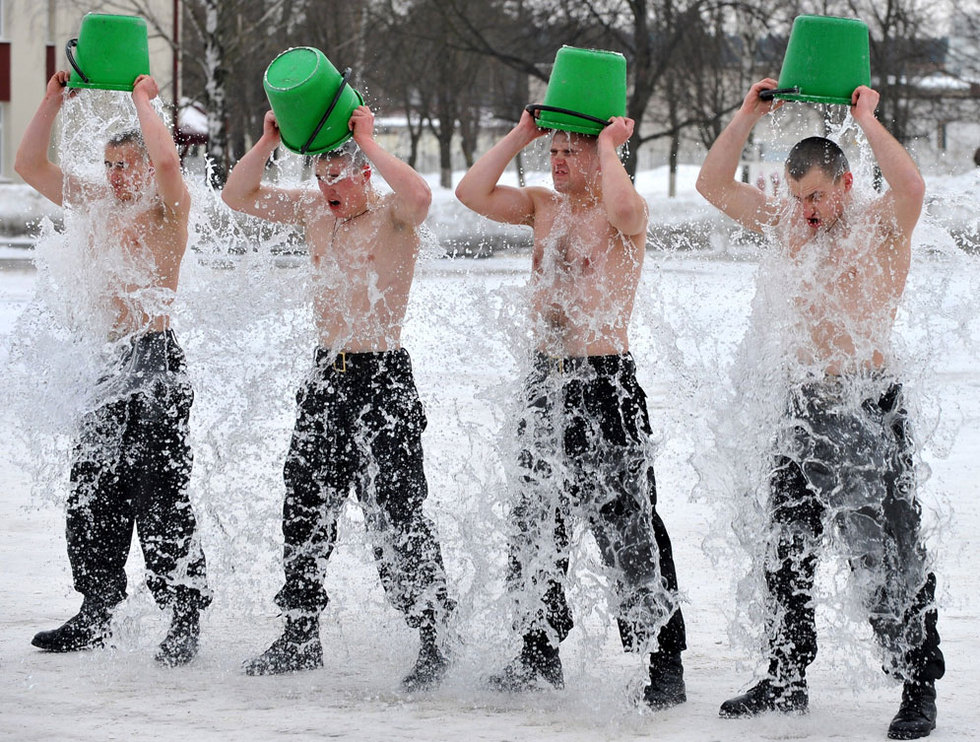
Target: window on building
<point x="3" y="136"/>
<point x="4" y="83"/>
<point x="5" y="71"/>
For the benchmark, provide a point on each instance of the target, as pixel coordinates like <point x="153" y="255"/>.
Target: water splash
<point x="747" y="403"/>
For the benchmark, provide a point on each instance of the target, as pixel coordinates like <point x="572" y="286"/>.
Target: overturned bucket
<point x="312" y="101"/>
<point x="826" y="59"/>
<point x="111" y="51"/>
<point x="586" y="88"/>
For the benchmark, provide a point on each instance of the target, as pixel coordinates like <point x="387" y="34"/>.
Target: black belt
<point x="605" y="365"/>
<point x="343" y="361"/>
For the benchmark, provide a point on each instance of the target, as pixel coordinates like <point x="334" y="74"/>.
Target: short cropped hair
<point x="130" y="136"/>
<point x="348" y="151"/>
<point x="578" y="136"/>
<point x="817" y="152"/>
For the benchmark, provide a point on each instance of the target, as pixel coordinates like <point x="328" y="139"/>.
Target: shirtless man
<point x="131" y="461"/>
<point x="359" y="421"/>
<point x="584" y="428"/>
<point x="845" y="450"/>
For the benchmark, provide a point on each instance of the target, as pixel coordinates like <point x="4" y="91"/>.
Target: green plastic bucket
<point x="311" y="100"/>
<point x="586" y="88"/>
<point x="111" y="51"/>
<point x="826" y="59"/>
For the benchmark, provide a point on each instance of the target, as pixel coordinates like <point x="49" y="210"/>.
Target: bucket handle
<point x="71" y="59"/>
<point x="534" y="108"/>
<point x="344" y="77"/>
<point x="773" y="92"/>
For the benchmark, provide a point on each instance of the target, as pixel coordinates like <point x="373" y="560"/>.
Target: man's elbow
<point x="915" y="187"/>
<point x="712" y="191"/>
<point x="462" y="193"/>
<point x="230" y="197"/>
<point x="472" y="198"/>
<point x="231" y="193"/>
<point x="422" y="198"/>
<point x="702" y="185"/>
<point x="24" y="166"/>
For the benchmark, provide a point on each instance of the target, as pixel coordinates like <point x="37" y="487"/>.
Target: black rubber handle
<point x="344" y="77"/>
<point x="71" y="59"/>
<point x="536" y="107"/>
<point x="773" y="92"/>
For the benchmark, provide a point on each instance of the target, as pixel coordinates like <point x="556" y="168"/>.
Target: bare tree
<point x="221" y="40"/>
<point x="652" y="34"/>
<point x="436" y="78"/>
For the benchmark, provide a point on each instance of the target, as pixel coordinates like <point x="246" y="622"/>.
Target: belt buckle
<point x="342" y="368"/>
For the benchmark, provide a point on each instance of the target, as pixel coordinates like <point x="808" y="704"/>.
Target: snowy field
<point x="691" y="312"/>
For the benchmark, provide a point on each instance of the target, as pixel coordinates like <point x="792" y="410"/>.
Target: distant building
<point x="33" y="34"/>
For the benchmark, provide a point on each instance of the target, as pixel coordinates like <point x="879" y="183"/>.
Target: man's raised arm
<point x="717" y="183"/>
<point x="244" y="190"/>
<point x="906" y="186"/>
<point x="625" y="208"/>
<point x="479" y="190"/>
<point x="31" y="162"/>
<point x="160" y="147"/>
<point x="412" y="193"/>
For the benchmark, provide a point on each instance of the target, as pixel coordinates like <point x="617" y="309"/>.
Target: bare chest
<point x="365" y="249"/>
<point x="577" y="246"/>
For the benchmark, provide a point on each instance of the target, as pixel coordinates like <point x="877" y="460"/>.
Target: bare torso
<point x="584" y="278"/>
<point x="363" y="271"/>
<point x="849" y="283"/>
<point x="151" y="246"/>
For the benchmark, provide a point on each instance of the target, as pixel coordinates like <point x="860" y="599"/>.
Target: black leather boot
<point x="788" y="697"/>
<point x="916" y="716"/>
<point x="538" y="660"/>
<point x="431" y="665"/>
<point x="297" y="649"/>
<point x="180" y="645"/>
<point x="666" y="687"/>
<point x="87" y="629"/>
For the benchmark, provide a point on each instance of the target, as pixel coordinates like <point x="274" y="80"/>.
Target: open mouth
<point x="814" y="222"/>
<point x="334" y="203"/>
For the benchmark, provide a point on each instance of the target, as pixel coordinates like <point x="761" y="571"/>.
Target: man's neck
<point x="585" y="200"/>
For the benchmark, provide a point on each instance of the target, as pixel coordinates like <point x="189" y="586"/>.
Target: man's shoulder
<point x="542" y="192"/>
<point x="543" y="198"/>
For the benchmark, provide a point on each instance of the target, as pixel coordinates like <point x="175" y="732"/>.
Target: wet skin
<point x="363" y="245"/>
<point x="851" y="260"/>
<point x="585" y="272"/>
<point x="589" y="234"/>
<point x="143" y="206"/>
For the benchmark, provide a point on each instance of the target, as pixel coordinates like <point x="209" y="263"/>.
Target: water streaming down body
<point x="243" y="311"/>
<point x="96" y="287"/>
<point x="820" y="439"/>
<point x="98" y="291"/>
<point x="244" y="315"/>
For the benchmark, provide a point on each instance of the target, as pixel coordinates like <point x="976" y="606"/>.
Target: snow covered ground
<point x="691" y="312"/>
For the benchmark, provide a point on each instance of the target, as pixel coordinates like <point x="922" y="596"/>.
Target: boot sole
<point x="260" y="671"/>
<point x="100" y="644"/>
<point x="749" y="714"/>
<point x="910" y="735"/>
